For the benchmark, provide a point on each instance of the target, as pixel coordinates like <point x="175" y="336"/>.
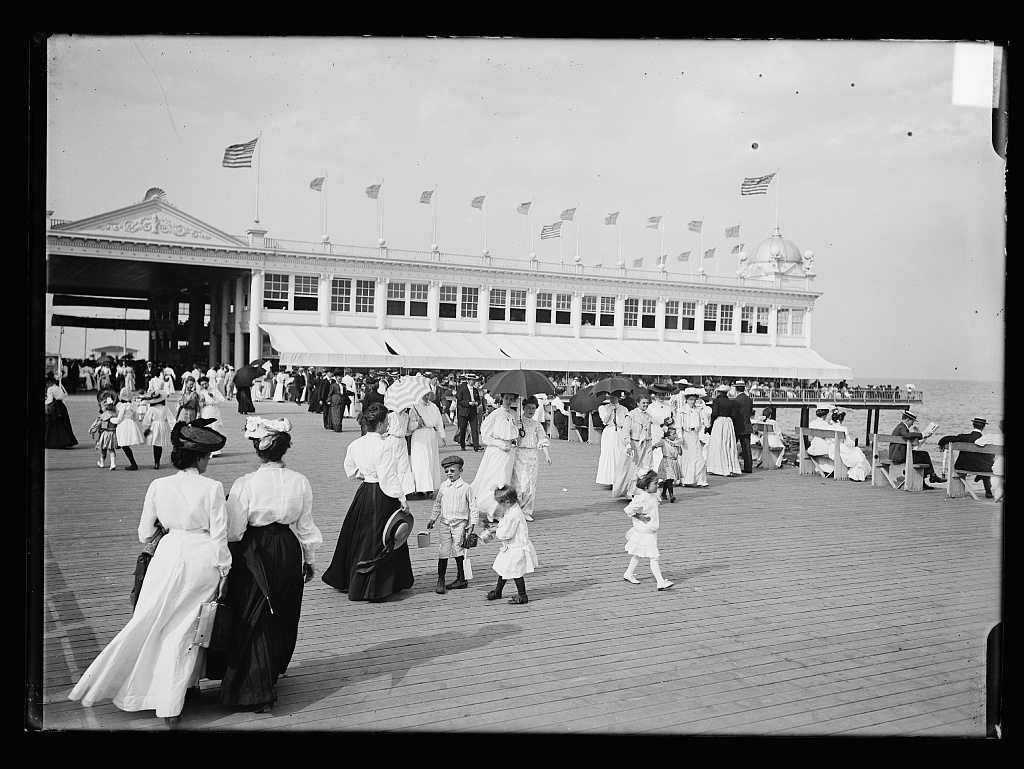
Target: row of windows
<point x="411" y="299"/>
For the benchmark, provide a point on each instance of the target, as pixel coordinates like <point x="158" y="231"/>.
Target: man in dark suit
<point x="741" y="423"/>
<point x="898" y="451"/>
<point x="972" y="463"/>
<point x="372" y="395"/>
<point x="469" y="407"/>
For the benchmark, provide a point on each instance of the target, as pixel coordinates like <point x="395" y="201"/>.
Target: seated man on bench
<point x="898" y="451"/>
<point x="972" y="463"/>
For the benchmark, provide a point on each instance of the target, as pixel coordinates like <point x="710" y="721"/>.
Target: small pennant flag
<point x="239" y="155"/>
<point x="551" y="231"/>
<point x="683" y="257"/>
<point x="425" y="197"/>
<point x="756" y="185"/>
<point x="652" y="222"/>
<point x="612" y="218"/>
<point x="524" y="208"/>
<point x="694" y="226"/>
<point x="709" y="254"/>
<point x="478" y="202"/>
<point x="568" y="214"/>
<point x="317" y="184"/>
<point x="736" y="249"/>
<point x="732" y="232"/>
<point x="373" y="191"/>
<point x="599" y="264"/>
<point x="638" y="262"/>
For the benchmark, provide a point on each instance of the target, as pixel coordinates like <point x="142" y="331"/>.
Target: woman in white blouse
<point x="613" y="449"/>
<point x="380" y="459"/>
<point x="427" y="435"/>
<point x="153" y="661"/>
<point x="273" y="543"/>
<point x="500" y="433"/>
<point x="59" y="434"/>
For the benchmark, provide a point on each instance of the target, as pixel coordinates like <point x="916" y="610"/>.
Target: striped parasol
<point x="405" y="393"/>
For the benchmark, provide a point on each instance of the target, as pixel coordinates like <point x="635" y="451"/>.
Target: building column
<point x="323" y="298"/>
<point x="576" y="313"/>
<point x="659" y="318"/>
<point x="773" y="324"/>
<point x="531" y="310"/>
<point x="196" y="317"/>
<point x="620" y="316"/>
<point x="225" y="305"/>
<point x="380" y="302"/>
<point x="434" y="304"/>
<point x="737" y="323"/>
<point x="807" y="327"/>
<point x="483" y="308"/>
<point x="215" y="313"/>
<point x="255" y="305"/>
<point x="698" y="322"/>
<point x="239" y="357"/>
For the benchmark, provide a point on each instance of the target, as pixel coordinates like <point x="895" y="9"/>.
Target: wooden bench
<point x="808" y="464"/>
<point x="955" y="485"/>
<point x="896" y="475"/>
<point x="764" y="430"/>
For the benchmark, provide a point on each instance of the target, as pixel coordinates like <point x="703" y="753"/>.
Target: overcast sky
<point x="895" y="188"/>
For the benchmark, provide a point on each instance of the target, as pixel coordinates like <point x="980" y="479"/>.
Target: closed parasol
<point x="405" y="393"/>
<point x="522" y="382"/>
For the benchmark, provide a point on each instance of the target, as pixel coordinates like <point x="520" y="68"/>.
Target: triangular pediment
<point x="153" y="219"/>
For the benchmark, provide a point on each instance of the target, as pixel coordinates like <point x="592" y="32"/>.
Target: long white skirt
<point x="859" y="467"/>
<point x="149" y="665"/>
<point x="279" y="393"/>
<point x="524" y="477"/>
<point x="612" y="453"/>
<point x="495" y="470"/>
<point x="722" y="456"/>
<point x="425" y="459"/>
<point x="692" y="463"/>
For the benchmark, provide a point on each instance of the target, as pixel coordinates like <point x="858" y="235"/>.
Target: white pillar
<point x="659" y="318"/>
<point x="698" y="322"/>
<point x="620" y="316"/>
<point x="434" y="304"/>
<point x="576" y="315"/>
<point x="323" y="298"/>
<point x="737" y="322"/>
<point x="225" y="304"/>
<point x="255" y="305"/>
<point x="380" y="301"/>
<point x="483" y="308"/>
<point x="531" y="311"/>
<point x="773" y="324"/>
<point x="807" y="327"/>
<point x="239" y="357"/>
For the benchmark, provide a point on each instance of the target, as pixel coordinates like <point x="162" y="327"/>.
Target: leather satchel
<point x="469" y="539"/>
<point x="213" y="629"/>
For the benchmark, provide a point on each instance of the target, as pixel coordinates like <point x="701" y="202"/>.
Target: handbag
<point x="213" y="628"/>
<point x="469" y="539"/>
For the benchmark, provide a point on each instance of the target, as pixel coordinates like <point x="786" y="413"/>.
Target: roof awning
<point x="397" y="348"/>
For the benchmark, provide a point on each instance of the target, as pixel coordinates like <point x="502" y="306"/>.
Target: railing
<point x="852" y="396"/>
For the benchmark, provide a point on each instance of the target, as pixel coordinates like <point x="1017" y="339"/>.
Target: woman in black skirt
<point x="59" y="434"/>
<point x="380" y="458"/>
<point x="272" y="540"/>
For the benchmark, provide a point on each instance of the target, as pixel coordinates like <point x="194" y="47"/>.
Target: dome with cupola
<point x="776" y="256"/>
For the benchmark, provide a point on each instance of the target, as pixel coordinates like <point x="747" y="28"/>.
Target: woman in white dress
<point x="776" y="446"/>
<point x="427" y="435"/>
<point x="157" y="425"/>
<point x="637" y="449"/>
<point x="822" y="449"/>
<point x="128" y="432"/>
<point x="281" y="387"/>
<point x="209" y="404"/>
<point x="153" y="661"/>
<point x="499" y="433"/>
<point x="532" y="439"/>
<point x="853" y="457"/>
<point x="613" y="449"/>
<point x="693" y="420"/>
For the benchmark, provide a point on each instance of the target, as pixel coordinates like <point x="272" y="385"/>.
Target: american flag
<point x="756" y="185"/>
<point x="652" y="222"/>
<point x="568" y="214"/>
<point x="317" y="184"/>
<point x="732" y="232"/>
<point x="638" y="262"/>
<point x="239" y="155"/>
<point x="612" y="218"/>
<point x="683" y="257"/>
<point x="372" y="191"/>
<point x="425" y="197"/>
<point x="524" y="208"/>
<point x="694" y="226"/>
<point x="709" y="253"/>
<point x="478" y="202"/>
<point x="551" y="231"/>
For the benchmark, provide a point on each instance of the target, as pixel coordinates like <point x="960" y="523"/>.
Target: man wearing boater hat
<point x="741" y="422"/>
<point x="968" y="462"/>
<point x="898" y="451"/>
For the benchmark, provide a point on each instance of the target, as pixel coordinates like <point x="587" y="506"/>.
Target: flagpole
<point x="701" y="270"/>
<point x="259" y="157"/>
<point x="619" y="228"/>
<point x="529" y="216"/>
<point x="323" y="205"/>
<point x="576" y="228"/>
<point x="778" y="188"/>
<point x="482" y="204"/>
<point x="380" y="209"/>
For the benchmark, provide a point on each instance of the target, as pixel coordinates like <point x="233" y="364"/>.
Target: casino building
<point x="216" y="297"/>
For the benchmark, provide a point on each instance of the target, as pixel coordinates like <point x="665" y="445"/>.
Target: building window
<point x="497" y="310"/>
<point x="563" y="309"/>
<point x="711" y="316"/>
<point x="182" y="313"/>
<point x="341" y="295"/>
<point x="306" y="289"/>
<point x="588" y="311"/>
<point x="266" y="349"/>
<point x="544" y="302"/>
<point x="672" y="314"/>
<point x="365" y="290"/>
<point x="746" y="320"/>
<point x="648" y="310"/>
<point x="796" y="325"/>
<point x="629" y="316"/>
<point x="762" y="320"/>
<point x="782" y="325"/>
<point x="517" y="305"/>
<point x="607" y="310"/>
<point x="418" y="295"/>
<point x="448" y="304"/>
<point x="396" y="299"/>
<point x="275" y="292"/>
<point x="687" y="316"/>
<point x="725" y="318"/>
<point x="470" y="300"/>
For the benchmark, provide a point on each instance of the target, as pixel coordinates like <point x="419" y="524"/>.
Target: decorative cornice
<point x="154" y="225"/>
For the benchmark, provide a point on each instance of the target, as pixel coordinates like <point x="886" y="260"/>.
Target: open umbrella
<point x="405" y="393"/>
<point x="246" y="375"/>
<point x="522" y="382"/>
<point x="585" y="400"/>
<point x="615" y="384"/>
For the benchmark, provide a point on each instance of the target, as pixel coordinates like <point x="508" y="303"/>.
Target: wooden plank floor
<point x="801" y="607"/>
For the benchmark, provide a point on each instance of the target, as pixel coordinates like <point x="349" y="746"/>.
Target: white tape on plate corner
<point x="976" y="74"/>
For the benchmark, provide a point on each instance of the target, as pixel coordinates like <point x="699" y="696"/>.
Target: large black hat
<point x="196" y="436"/>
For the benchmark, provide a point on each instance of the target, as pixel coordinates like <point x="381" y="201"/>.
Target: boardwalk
<point x="801" y="607"/>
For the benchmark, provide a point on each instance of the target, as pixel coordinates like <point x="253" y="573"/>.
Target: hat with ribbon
<point x="722" y="388"/>
<point x="692" y="391"/>
<point x="263" y="431"/>
<point x="910" y="415"/>
<point x="979" y="422"/>
<point x="739" y="384"/>
<point x="660" y="389"/>
<point x="823" y="407"/>
<point x="155" y="397"/>
<point x="196" y="436"/>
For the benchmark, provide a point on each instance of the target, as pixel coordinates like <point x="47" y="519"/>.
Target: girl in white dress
<point x="427" y="435"/>
<point x="642" y="538"/>
<point x="613" y="450"/>
<point x="128" y="432"/>
<point x="157" y="425"/>
<point x="532" y="439"/>
<point x="209" y="404"/>
<point x="517" y="556"/>
<point x="500" y="433"/>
